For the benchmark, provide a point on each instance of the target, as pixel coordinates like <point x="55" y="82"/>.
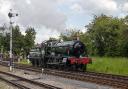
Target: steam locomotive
<point x="68" y="55"/>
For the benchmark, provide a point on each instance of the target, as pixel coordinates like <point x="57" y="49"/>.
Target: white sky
<point x="50" y="17"/>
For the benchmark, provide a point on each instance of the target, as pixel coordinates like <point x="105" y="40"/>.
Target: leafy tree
<point x="103" y="32"/>
<point x="123" y="38"/>
<point x="69" y="35"/>
<point x="21" y="43"/>
<point x="6" y="42"/>
<point x="29" y="39"/>
<point x="18" y="40"/>
<point x="52" y="38"/>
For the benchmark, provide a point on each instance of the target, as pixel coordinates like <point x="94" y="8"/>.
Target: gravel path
<point x="56" y="81"/>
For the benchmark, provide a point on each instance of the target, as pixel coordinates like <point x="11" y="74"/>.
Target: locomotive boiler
<point x="68" y="55"/>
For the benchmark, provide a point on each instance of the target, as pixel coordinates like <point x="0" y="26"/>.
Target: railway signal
<point x="10" y="15"/>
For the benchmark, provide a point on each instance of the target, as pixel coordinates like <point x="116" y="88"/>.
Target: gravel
<point x="57" y="81"/>
<point x="4" y="85"/>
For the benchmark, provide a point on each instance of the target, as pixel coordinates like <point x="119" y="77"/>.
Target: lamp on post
<point x="10" y="15"/>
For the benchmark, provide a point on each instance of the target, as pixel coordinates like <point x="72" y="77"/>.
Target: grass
<point x="24" y="61"/>
<point x="116" y="65"/>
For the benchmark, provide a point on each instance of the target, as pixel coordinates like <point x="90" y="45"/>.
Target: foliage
<point x="52" y="38"/>
<point x="5" y="42"/>
<point x="69" y="35"/>
<point x="18" y="39"/>
<point x="21" y="43"/>
<point x="107" y="36"/>
<point x="29" y="39"/>
<point x="103" y="32"/>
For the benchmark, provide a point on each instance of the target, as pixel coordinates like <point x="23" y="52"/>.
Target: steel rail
<point x="99" y="78"/>
<point x="43" y="85"/>
<point x="14" y="84"/>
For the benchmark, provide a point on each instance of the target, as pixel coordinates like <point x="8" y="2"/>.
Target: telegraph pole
<point x="10" y="15"/>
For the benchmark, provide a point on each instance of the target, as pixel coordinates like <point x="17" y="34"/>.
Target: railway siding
<point x="24" y="83"/>
<point x="99" y="78"/>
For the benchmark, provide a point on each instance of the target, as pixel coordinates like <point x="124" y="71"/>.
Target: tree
<point x="69" y="35"/>
<point x="6" y="42"/>
<point x="52" y="38"/>
<point x="104" y="33"/>
<point x="21" y="44"/>
<point x="123" y="38"/>
<point x="29" y="39"/>
<point x="3" y="40"/>
<point x="18" y="40"/>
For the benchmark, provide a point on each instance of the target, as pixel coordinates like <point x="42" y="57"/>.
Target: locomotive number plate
<point x="64" y="59"/>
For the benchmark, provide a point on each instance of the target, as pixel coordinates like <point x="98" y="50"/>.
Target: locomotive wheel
<point x="40" y="63"/>
<point x="74" y="67"/>
<point x="37" y="62"/>
<point x="61" y="67"/>
<point x="33" y="63"/>
<point x="47" y="66"/>
<point x="84" y="68"/>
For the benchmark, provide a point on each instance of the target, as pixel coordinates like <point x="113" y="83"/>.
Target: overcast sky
<point x="50" y="17"/>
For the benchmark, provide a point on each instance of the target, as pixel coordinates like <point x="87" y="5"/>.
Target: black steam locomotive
<point x="53" y="53"/>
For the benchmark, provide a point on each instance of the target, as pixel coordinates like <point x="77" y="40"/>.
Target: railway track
<point x="99" y="78"/>
<point x="24" y="83"/>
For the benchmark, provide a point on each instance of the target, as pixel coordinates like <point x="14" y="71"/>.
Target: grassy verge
<point x="116" y="65"/>
<point x="24" y="61"/>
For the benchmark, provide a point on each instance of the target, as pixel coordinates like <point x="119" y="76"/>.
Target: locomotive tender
<point x="52" y="53"/>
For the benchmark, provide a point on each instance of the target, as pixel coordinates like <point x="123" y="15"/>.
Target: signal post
<point x="10" y="15"/>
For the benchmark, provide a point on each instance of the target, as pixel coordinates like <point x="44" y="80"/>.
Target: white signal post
<point x="10" y="15"/>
